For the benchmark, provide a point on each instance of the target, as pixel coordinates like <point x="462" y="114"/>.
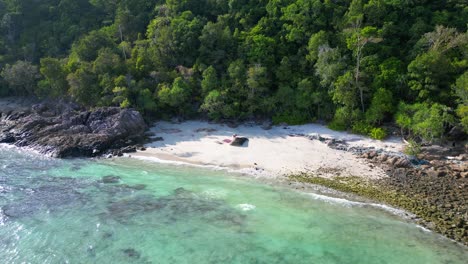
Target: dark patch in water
<point x="75" y="168"/>
<point x="131" y="253"/>
<point x="107" y="235"/>
<point x="110" y="179"/>
<point x="179" y="206"/>
<point x="181" y="191"/>
<point x="137" y="187"/>
<point x="58" y="192"/>
<point x="121" y="190"/>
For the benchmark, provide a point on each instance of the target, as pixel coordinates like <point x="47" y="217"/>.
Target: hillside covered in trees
<point x="353" y="63"/>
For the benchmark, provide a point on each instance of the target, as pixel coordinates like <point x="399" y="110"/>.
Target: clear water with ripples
<point x="130" y="211"/>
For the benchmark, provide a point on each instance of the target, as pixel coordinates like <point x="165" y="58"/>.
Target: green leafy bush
<point x="361" y="127"/>
<point x="344" y="118"/>
<point x="378" y="133"/>
<point x="290" y="118"/>
<point x="424" y="120"/>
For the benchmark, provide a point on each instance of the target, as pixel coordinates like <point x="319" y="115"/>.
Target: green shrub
<point x="361" y="127"/>
<point x="413" y="148"/>
<point x="344" y="118"/>
<point x="378" y="133"/>
<point x="290" y="118"/>
<point x="424" y="120"/>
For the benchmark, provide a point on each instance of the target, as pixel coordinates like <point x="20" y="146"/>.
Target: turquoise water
<point x="61" y="211"/>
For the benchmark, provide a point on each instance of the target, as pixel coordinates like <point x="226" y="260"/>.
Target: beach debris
<point x="239" y="141"/>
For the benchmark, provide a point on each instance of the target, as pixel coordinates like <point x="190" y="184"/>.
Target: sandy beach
<point x="268" y="153"/>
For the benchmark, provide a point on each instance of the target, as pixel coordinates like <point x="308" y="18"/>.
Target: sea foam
<point x="348" y="203"/>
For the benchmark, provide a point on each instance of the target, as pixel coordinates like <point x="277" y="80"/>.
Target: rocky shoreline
<point x="433" y="185"/>
<point x="66" y="130"/>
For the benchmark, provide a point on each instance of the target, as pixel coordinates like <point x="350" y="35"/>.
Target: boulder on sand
<point x="239" y="141"/>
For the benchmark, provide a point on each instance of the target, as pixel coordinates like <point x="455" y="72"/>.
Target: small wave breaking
<point x="246" y="207"/>
<point x="349" y="203"/>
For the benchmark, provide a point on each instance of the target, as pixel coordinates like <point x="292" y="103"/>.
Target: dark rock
<point x="181" y="191"/>
<point x="339" y="145"/>
<point x="239" y="141"/>
<point x="392" y="160"/>
<point x="436" y="173"/>
<point x="110" y="179"/>
<point x="65" y="130"/>
<point x="7" y="138"/>
<point x="383" y="158"/>
<point x="137" y="187"/>
<point x="149" y="134"/>
<point x="132" y="253"/>
<point x="129" y="149"/>
<point x="402" y="163"/>
<point x="158" y="139"/>
<point x="267" y="125"/>
<point x="457" y="134"/>
<point x="205" y="129"/>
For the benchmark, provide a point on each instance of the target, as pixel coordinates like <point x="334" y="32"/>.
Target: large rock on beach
<point x="67" y="130"/>
<point x="239" y="141"/>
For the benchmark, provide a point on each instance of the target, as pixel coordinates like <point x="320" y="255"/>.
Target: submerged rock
<point x="110" y="179"/>
<point x="132" y="253"/>
<point x="45" y="198"/>
<point x="179" y="206"/>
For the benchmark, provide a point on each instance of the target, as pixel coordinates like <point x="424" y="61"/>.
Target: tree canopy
<point x="355" y="64"/>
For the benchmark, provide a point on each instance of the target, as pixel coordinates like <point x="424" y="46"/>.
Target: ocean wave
<point x="349" y="203"/>
<point x="246" y="207"/>
<point x="176" y="162"/>
<point x="240" y="171"/>
<point x="423" y="228"/>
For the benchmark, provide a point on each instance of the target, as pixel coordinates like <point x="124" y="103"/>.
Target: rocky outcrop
<point x="67" y="130"/>
<point x="436" y="182"/>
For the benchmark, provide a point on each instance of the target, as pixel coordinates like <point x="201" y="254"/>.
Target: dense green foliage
<point x="349" y="62"/>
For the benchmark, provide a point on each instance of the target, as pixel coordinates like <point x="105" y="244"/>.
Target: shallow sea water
<point x="131" y="211"/>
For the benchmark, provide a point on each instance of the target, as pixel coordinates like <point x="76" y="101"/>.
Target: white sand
<point x="268" y="153"/>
